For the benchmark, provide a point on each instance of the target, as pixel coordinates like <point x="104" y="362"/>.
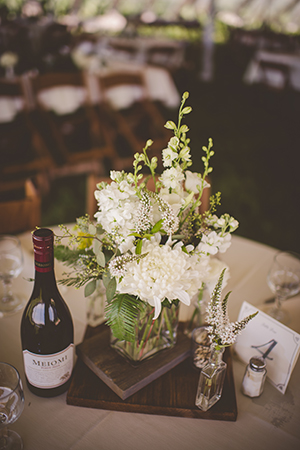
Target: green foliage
<point x="66" y="254"/>
<point x="121" y="314"/>
<point x="111" y="289"/>
<point x="90" y="288"/>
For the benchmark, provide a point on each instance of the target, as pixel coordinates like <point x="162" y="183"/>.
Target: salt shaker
<point x="254" y="378"/>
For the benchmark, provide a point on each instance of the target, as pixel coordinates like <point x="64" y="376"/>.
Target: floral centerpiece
<point x="151" y="248"/>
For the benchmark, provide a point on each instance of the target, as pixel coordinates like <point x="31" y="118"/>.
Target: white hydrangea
<point x="165" y="272"/>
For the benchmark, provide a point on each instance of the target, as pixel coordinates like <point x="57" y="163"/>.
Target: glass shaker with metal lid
<point x="254" y="378"/>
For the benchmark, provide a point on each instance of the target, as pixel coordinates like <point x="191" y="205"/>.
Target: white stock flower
<point x="175" y="200"/>
<point x="172" y="178"/>
<point x="192" y="180"/>
<point x="164" y="272"/>
<point x="185" y="154"/>
<point x="118" y="205"/>
<point x="212" y="243"/>
<point x="168" y="156"/>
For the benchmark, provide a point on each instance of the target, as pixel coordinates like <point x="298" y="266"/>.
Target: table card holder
<point x="278" y="344"/>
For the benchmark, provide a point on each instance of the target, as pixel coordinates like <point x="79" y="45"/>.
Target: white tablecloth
<point x="267" y="422"/>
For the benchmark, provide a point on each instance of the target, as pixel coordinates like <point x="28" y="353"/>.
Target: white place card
<point x="278" y="344"/>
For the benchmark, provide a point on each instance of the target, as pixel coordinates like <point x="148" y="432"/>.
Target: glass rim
<point x="11" y="238"/>
<point x="18" y="381"/>
<point x="286" y="252"/>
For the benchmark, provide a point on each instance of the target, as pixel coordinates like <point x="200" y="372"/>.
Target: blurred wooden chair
<point x="63" y="103"/>
<point x="134" y="118"/>
<point x="22" y="149"/>
<point x="274" y="75"/>
<point x="20" y="207"/>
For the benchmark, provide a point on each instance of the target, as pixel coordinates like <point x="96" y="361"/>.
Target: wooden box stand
<point x="105" y="380"/>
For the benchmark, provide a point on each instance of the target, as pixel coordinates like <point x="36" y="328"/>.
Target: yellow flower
<point x="85" y="241"/>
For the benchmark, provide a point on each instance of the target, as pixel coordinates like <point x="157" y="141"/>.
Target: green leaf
<point x="138" y="248"/>
<point x="100" y="230"/>
<point x="178" y="236"/>
<point x="111" y="289"/>
<point x="89" y="288"/>
<point x="157" y="226"/>
<point x="188" y="200"/>
<point x="66" y="255"/>
<point x="106" y="277"/>
<point x="97" y="246"/>
<point x="135" y="235"/>
<point x="101" y="259"/>
<point x="92" y="229"/>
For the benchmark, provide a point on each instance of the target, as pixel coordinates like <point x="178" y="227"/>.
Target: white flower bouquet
<point x="151" y="248"/>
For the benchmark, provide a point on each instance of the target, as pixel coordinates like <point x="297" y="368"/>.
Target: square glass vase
<point x="151" y="336"/>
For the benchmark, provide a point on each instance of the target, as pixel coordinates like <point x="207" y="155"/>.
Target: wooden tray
<point x="171" y="394"/>
<point x="123" y="377"/>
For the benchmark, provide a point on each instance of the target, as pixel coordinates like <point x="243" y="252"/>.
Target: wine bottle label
<point x="49" y="371"/>
<point x="43" y="267"/>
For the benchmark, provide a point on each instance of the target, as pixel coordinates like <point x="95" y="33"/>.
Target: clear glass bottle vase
<point x="211" y="380"/>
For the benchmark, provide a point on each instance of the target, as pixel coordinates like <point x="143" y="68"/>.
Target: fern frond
<point x="121" y="314"/>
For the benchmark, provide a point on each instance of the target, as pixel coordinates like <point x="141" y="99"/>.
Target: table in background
<point x="270" y="421"/>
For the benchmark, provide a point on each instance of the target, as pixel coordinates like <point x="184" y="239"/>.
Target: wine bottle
<point x="46" y="326"/>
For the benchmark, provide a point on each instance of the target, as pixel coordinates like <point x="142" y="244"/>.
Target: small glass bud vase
<point x="211" y="380"/>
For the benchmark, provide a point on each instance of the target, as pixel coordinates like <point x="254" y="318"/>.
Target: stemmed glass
<point x="11" y="265"/>
<point x="11" y="406"/>
<point x="284" y="281"/>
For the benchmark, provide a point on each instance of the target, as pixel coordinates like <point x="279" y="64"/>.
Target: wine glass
<point x="11" y="406"/>
<point x="284" y="281"/>
<point x="11" y="265"/>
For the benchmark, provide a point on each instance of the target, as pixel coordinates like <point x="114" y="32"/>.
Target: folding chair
<point x="76" y="133"/>
<point x="20" y="207"/>
<point x="134" y="118"/>
<point x="22" y="149"/>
